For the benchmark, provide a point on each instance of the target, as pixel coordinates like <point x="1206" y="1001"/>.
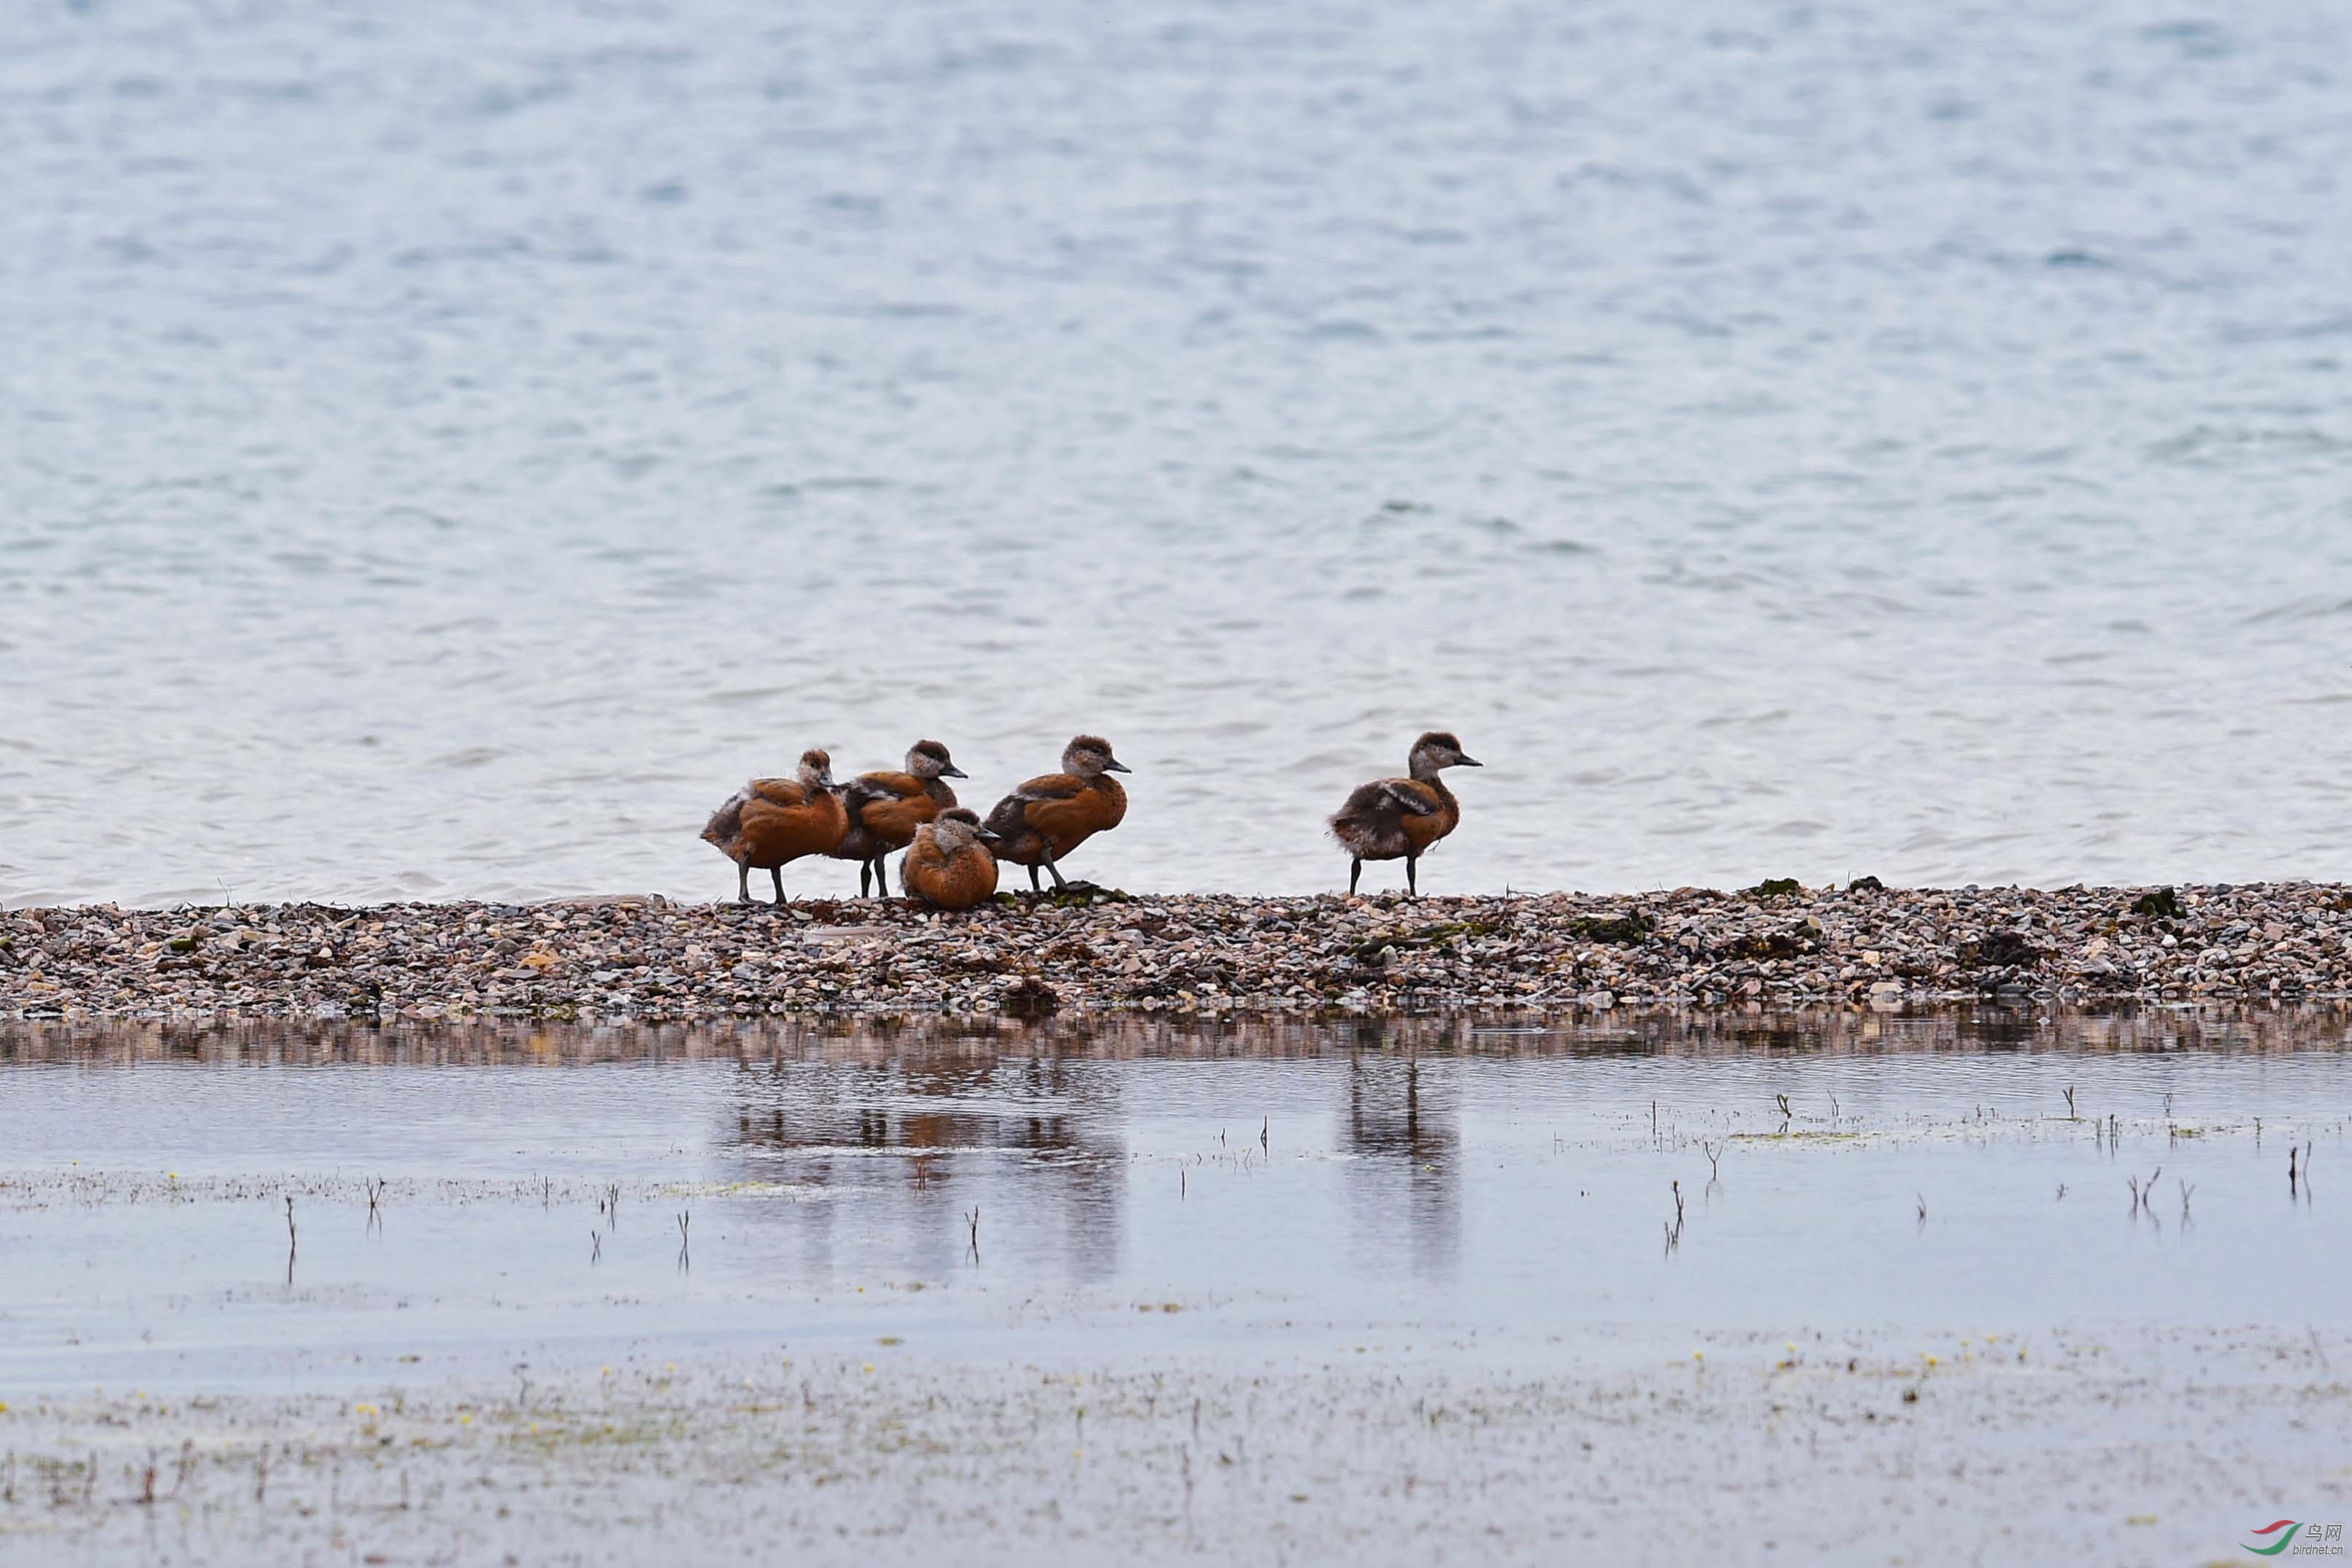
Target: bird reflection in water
<point x="903" y="1150"/>
<point x="1405" y="1118"/>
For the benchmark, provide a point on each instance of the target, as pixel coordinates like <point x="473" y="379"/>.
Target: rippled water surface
<point x="1267" y="1193"/>
<point x="444" y="447"/>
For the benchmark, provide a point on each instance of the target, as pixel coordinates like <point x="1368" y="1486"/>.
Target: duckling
<point x="949" y="866"/>
<point x="1391" y="819"/>
<point x="771" y="821"/>
<point x="1047" y="817"/>
<point x="885" y="810"/>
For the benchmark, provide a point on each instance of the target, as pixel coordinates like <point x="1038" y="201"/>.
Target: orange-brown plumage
<point x="885" y="808"/>
<point x="947" y="866"/>
<point x="771" y="823"/>
<point x="1047" y="817"/>
<point x="1067" y="810"/>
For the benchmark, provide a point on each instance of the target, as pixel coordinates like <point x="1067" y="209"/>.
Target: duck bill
<point x="1117" y="768"/>
<point x="1467" y="761"/>
<point x="952" y="772"/>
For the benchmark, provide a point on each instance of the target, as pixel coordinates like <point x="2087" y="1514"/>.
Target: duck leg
<point x="1355" y="869"/>
<point x="1411" y="880"/>
<point x="864" y="875"/>
<point x="777" y="873"/>
<point x="882" y="876"/>
<point x="1056" y="871"/>
<point x="1032" y="878"/>
<point x="743" y="881"/>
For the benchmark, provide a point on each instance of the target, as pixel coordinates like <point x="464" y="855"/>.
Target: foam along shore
<point x="647" y="957"/>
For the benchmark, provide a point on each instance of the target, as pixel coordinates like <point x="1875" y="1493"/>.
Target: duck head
<point x="956" y="829"/>
<point x="816" y="770"/>
<point x="1088" y="756"/>
<point x="929" y="760"/>
<point x="1439" y="750"/>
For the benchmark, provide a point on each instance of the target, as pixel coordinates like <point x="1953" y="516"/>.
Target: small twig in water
<point x="1786" y="1114"/>
<point x="1714" y="1152"/>
<point x="1923" y="1207"/>
<point x="2187" y="1191"/>
<point x="596" y="1244"/>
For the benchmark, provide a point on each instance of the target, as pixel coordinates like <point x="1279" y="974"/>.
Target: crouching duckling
<point x="1041" y="822"/>
<point x="885" y="808"/>
<point x="949" y="866"/>
<point x="1391" y="819"/>
<point x="772" y="822"/>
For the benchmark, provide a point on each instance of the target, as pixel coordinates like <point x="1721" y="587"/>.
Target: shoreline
<point x="643" y="958"/>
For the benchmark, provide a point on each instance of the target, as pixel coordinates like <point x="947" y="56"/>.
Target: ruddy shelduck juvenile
<point x="947" y="866"/>
<point x="1041" y="822"/>
<point x="885" y="808"/>
<point x="772" y="822"/>
<point x="1391" y="819"/>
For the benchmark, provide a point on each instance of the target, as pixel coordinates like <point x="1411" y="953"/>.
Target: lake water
<point x="1270" y="1292"/>
<point x="443" y="448"/>
<point x="1291" y="1188"/>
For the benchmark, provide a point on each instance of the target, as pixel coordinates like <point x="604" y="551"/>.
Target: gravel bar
<point x="632" y="957"/>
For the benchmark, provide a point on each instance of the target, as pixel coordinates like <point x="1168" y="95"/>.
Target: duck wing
<point x="868" y="788"/>
<point x="1010" y="817"/>
<point x="775" y="792"/>
<point x="1388" y="800"/>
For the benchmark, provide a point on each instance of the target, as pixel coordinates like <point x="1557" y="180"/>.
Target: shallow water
<point x="1479" y="1196"/>
<point x="447" y="448"/>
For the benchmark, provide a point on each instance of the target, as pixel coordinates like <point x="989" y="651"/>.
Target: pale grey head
<point x="1439" y="750"/>
<point x="956" y="829"/>
<point x="930" y="760"/>
<point x="1088" y="756"/>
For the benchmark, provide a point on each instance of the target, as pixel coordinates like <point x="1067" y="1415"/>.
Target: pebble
<point x="648" y="958"/>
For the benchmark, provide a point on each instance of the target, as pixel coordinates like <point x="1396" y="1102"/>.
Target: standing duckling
<point x="1391" y="819"/>
<point x="1044" y="819"/>
<point x="771" y="821"/>
<point x="949" y="866"/>
<point x="885" y="810"/>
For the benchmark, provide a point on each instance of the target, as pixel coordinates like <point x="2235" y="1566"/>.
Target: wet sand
<point x="646" y="958"/>
<point x="1845" y="1286"/>
<point x="1777" y="1445"/>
